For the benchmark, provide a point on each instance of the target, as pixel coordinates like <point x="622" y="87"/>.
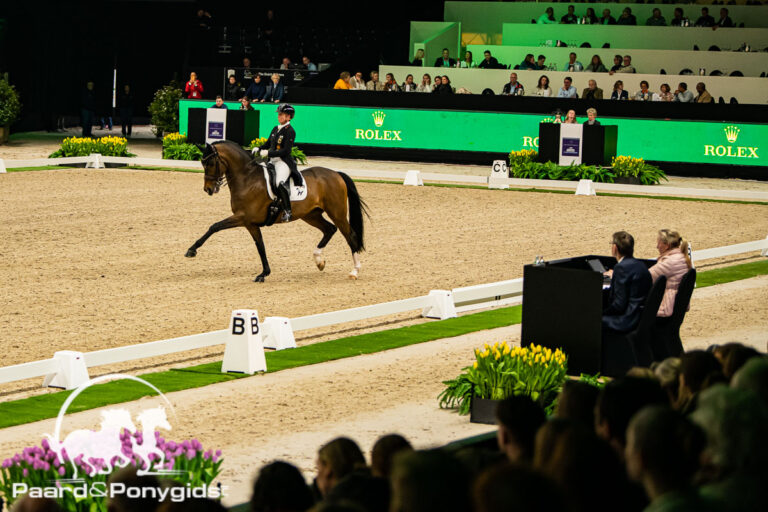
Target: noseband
<point x="219" y="177"/>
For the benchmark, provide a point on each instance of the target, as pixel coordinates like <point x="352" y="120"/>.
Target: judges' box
<point x="207" y="125"/>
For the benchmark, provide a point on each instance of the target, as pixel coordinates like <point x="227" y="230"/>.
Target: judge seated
<point x="630" y="284"/>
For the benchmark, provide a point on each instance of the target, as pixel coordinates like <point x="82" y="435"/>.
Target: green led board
<point x="659" y="140"/>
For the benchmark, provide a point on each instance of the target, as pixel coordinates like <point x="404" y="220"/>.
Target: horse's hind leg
<point x="338" y="215"/>
<point x="315" y="218"/>
<point x="230" y="222"/>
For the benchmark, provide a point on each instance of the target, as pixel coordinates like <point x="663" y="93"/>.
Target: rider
<point x="278" y="150"/>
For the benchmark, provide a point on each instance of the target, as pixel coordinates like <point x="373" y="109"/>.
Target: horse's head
<point x="213" y="166"/>
<point x="154" y="418"/>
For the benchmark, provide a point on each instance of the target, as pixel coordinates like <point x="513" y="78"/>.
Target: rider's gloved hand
<point x="264" y="153"/>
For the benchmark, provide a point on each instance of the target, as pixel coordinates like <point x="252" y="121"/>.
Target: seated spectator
<point x="384" y="451"/>
<point x="438" y="81"/>
<point x="130" y="501"/>
<point x="618" y="401"/>
<point x="548" y="17"/>
<point x="618" y="91"/>
<point x="343" y="81"/>
<point x="673" y="263"/>
<point x="626" y="65"/>
<point x="359" y="492"/>
<point x="721" y="352"/>
<point x="219" y="103"/>
<point x="357" y="82"/>
<point x="245" y="103"/>
<point x="408" y="85"/>
<point x="257" y="89"/>
<point x="705" y="20"/>
<point x="287" y="64"/>
<point x="618" y="60"/>
<point x="567" y="90"/>
<point x="682" y="94"/>
<point x="725" y="20"/>
<point x="665" y="94"/>
<point x="698" y="371"/>
<point x="468" y="62"/>
<point x="390" y="85"/>
<point x="557" y="116"/>
<point x="445" y="86"/>
<point x="630" y="283"/>
<point x="734" y="421"/>
<point x="445" y="61"/>
<point x="576" y="402"/>
<point x="335" y="460"/>
<point x="570" y="117"/>
<point x="307" y="64"/>
<point x="703" y="96"/>
<point x="662" y="454"/>
<point x="644" y="94"/>
<point x="275" y="90"/>
<point x="590" y="18"/>
<point x="677" y="18"/>
<point x="27" y="503"/>
<point x="374" y="84"/>
<point x="488" y="61"/>
<point x="737" y="358"/>
<point x="420" y="479"/>
<point x="513" y="87"/>
<point x="753" y="376"/>
<point x="425" y="85"/>
<point x="592" y="117"/>
<point x="570" y="18"/>
<point x="607" y="19"/>
<point x="528" y="63"/>
<point x="418" y="59"/>
<point x="281" y="486"/>
<point x="627" y="18"/>
<point x="233" y="91"/>
<point x="667" y="372"/>
<point x="540" y="62"/>
<point x="656" y="19"/>
<point x="518" y="418"/>
<point x="513" y="487"/>
<point x="194" y="87"/>
<point x="596" y="65"/>
<point x="573" y="64"/>
<point x="543" y="88"/>
<point x="593" y="92"/>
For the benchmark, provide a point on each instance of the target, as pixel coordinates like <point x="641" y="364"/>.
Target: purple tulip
<point x="45" y="444"/>
<point x="17" y="458"/>
<point x="207" y="455"/>
<point x="171" y="445"/>
<point x="191" y="454"/>
<point x="25" y="472"/>
<point x="169" y="465"/>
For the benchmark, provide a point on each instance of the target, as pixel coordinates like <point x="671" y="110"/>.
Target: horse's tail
<point x="357" y="208"/>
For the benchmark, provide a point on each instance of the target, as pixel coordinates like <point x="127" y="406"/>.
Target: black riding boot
<point x="285" y="198"/>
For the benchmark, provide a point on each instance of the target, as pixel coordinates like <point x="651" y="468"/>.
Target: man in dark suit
<point x="445" y="61"/>
<point x="630" y="284"/>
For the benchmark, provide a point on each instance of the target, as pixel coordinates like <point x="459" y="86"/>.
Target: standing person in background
<point x="445" y="61"/>
<point x="570" y="118"/>
<point x="194" y="87"/>
<point x="88" y="108"/>
<point x="125" y="104"/>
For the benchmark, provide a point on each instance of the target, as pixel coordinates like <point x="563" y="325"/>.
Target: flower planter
<point x="483" y="410"/>
<point x="627" y="180"/>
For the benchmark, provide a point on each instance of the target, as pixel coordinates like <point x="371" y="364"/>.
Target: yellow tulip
<point x="475" y="365"/>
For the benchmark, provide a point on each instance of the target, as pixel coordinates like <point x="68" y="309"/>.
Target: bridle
<point x="219" y="179"/>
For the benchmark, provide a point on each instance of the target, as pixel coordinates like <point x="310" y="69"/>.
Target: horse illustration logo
<point x="118" y="442"/>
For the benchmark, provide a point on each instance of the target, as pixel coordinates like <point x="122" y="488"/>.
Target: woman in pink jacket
<point x="673" y="263"/>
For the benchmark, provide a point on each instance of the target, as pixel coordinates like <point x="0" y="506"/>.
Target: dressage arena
<point x="94" y="259"/>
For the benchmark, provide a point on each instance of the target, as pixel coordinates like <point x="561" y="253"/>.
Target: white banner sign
<point x="571" y="136"/>
<point x="215" y="124"/>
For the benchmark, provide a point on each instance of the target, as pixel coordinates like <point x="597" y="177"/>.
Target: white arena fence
<point x="67" y="369"/>
<point x="497" y="178"/>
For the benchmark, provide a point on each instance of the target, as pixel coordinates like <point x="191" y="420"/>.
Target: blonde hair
<point x="675" y="241"/>
<point x="591" y="111"/>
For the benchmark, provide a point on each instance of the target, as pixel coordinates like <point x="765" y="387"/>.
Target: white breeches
<point x="282" y="172"/>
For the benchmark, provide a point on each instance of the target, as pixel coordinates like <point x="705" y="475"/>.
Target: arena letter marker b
<point x="244" y="352"/>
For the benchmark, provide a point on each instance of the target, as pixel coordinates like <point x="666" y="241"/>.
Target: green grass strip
<point x="39" y="168"/>
<point x="46" y="406"/>
<point x="730" y="274"/>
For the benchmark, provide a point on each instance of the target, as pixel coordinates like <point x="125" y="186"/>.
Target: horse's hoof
<point x="353" y="275"/>
<point x="259" y="279"/>
<point x="191" y="253"/>
<point x="321" y="266"/>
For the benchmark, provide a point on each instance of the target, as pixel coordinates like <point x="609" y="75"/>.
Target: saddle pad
<point x="297" y="193"/>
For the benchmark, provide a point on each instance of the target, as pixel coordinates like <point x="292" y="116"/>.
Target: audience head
<point x="275" y="78"/>
<point x="29" y="504"/>
<point x="420" y="479"/>
<point x="513" y="78"/>
<point x="737" y="357"/>
<point x="540" y="60"/>
<point x="721" y="352"/>
<point x="622" y="242"/>
<point x="375" y="76"/>
<point x="567" y="81"/>
<point x="550" y="12"/>
<point x="409" y="79"/>
<point x="420" y="53"/>
<point x="606" y="13"/>
<point x="305" y="60"/>
<point x="446" y="53"/>
<point x="592" y="84"/>
<point x="665" y="88"/>
<point x="359" y="76"/>
<point x="618" y="401"/>
<point x="335" y="460"/>
<point x="219" y="101"/>
<point x="704" y="11"/>
<point x="577" y="399"/>
<point x="426" y="79"/>
<point x="280" y="487"/>
<point x="344" y="76"/>
<point x="246" y="62"/>
<point x="678" y="13"/>
<point x="446" y="80"/>
<point x="570" y="116"/>
<point x="572" y="57"/>
<point x="487" y="55"/>
<point x="543" y="82"/>
<point x="571" y="9"/>
<point x="257" y="78"/>
<point x="509" y="487"/>
<point x="697" y="368"/>
<point x="596" y="61"/>
<point x="590" y="12"/>
<point x="438" y="80"/>
<point x="644" y="85"/>
<point x="519" y="418"/>
<point x="390" y="78"/>
<point x="663" y="450"/>
<point x="627" y="60"/>
<point x="548" y="436"/>
<point x="468" y="57"/>
<point x="231" y="79"/>
<point x="734" y="421"/>
<point x="668" y="374"/>
<point x="753" y="376"/>
<point x="121" y="502"/>
<point x="627" y="12"/>
<point x="670" y="239"/>
<point x="618" y="85"/>
<point x="617" y="60"/>
<point x="384" y="451"/>
<point x="683" y="86"/>
<point x="656" y="12"/>
<point x="723" y="12"/>
<point x="368" y="493"/>
<point x="700" y="87"/>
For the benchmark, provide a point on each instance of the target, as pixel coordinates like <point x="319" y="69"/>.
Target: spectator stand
<point x="432" y="37"/>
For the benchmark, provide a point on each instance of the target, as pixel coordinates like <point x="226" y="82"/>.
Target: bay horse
<point x="327" y="191"/>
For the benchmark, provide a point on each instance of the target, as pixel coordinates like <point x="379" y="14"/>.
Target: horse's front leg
<point x="255" y="232"/>
<point x="228" y="223"/>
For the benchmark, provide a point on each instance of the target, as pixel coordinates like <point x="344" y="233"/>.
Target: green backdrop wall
<point x="657" y="140"/>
